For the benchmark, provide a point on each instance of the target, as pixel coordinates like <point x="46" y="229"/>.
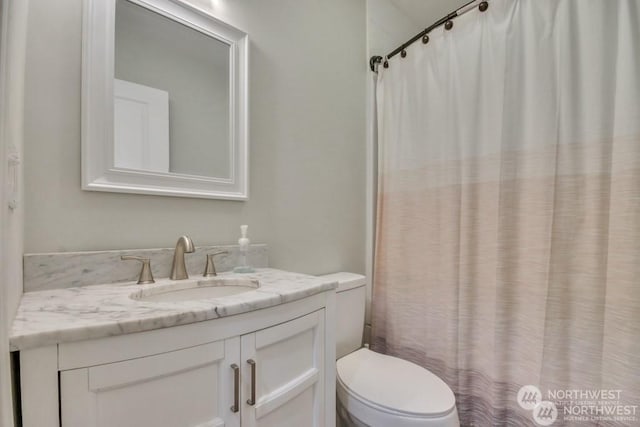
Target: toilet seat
<point x="384" y="390"/>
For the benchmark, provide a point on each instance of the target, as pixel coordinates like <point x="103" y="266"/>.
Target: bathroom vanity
<point x="113" y="355"/>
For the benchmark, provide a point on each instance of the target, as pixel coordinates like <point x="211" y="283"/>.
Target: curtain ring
<point x="403" y="53"/>
<point x="385" y="64"/>
<point x="483" y="6"/>
<point x="425" y="39"/>
<point x="448" y="25"/>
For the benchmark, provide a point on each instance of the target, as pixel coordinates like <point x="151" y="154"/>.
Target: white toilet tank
<point x="350" y="301"/>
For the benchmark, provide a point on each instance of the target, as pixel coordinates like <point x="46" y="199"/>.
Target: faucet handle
<point x="145" y="274"/>
<point x="210" y="268"/>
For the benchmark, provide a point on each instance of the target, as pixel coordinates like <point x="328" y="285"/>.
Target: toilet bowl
<point x="377" y="390"/>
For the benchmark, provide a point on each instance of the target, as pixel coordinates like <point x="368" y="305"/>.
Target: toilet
<point x="377" y="390"/>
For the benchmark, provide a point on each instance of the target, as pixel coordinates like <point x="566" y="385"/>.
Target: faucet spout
<point x="178" y="268"/>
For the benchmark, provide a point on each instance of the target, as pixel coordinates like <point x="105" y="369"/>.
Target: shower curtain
<point x="508" y="223"/>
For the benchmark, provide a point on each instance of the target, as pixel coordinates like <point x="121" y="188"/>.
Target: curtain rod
<point x="424" y="34"/>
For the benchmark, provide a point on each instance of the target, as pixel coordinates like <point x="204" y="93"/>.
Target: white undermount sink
<point x="196" y="290"/>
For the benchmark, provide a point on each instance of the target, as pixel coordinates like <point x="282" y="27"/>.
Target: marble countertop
<point x="89" y="312"/>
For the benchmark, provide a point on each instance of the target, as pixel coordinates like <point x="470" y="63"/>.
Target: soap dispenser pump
<point x="243" y="242"/>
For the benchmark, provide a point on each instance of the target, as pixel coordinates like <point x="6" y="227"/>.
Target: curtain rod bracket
<point x="374" y="61"/>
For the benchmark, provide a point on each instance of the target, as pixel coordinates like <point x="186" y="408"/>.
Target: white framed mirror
<point x="164" y="100"/>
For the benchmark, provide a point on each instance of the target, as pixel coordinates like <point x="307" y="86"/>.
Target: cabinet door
<point x="289" y="374"/>
<point x="185" y="388"/>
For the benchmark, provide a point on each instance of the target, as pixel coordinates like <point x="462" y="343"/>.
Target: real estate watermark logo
<point x="544" y="412"/>
<point x="576" y="405"/>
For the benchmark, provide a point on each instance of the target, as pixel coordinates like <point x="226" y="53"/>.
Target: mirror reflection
<point x="171" y="96"/>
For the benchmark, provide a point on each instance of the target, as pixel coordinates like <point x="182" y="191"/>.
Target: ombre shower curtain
<point x="508" y="224"/>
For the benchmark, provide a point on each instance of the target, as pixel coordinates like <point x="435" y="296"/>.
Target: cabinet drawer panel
<point x="286" y="394"/>
<point x="185" y="388"/>
<point x="270" y="336"/>
<point x="131" y="371"/>
<point x="297" y="412"/>
<point x="188" y="399"/>
<point x="286" y="353"/>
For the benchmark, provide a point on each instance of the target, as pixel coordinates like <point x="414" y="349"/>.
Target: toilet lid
<point x="395" y="384"/>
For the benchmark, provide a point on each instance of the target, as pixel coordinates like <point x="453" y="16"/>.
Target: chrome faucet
<point x="178" y="269"/>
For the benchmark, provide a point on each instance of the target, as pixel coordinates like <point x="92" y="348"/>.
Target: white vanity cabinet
<point x="289" y="367"/>
<point x="283" y="358"/>
<point x="189" y="387"/>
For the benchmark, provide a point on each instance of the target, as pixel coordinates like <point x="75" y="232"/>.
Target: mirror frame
<point x="98" y="170"/>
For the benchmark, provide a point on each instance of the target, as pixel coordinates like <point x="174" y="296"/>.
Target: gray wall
<point x="392" y="22"/>
<point x="12" y="62"/>
<point x="308" y="78"/>
<point x="11" y="102"/>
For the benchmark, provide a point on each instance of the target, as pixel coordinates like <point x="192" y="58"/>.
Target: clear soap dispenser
<point x="243" y="265"/>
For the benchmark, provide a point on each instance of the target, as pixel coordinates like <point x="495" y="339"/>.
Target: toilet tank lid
<point x="346" y="280"/>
